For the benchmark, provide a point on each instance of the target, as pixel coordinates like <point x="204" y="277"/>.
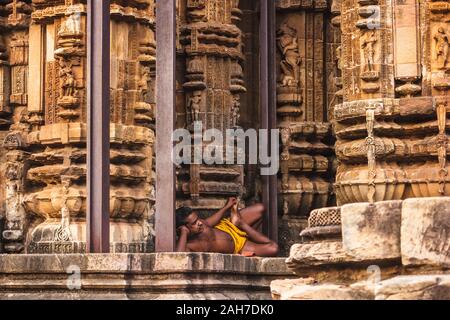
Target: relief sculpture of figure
<point x="69" y="84"/>
<point x="288" y="45"/>
<point x="368" y="41"/>
<point x="339" y="60"/>
<point x="194" y="105"/>
<point x="72" y="25"/>
<point x="143" y="83"/>
<point x="3" y="53"/>
<point x="235" y="111"/>
<point x="442" y="44"/>
<point x="236" y="234"/>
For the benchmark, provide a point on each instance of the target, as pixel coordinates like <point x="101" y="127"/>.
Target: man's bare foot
<point x="247" y="254"/>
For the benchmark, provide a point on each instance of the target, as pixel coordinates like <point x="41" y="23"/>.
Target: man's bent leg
<point x="261" y="250"/>
<point x="253" y="215"/>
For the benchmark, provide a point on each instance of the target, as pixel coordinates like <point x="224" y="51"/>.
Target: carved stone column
<point x="212" y="48"/>
<point x="5" y="87"/>
<point x="305" y="55"/>
<point x="391" y="127"/>
<point x="14" y="102"/>
<point x="54" y="193"/>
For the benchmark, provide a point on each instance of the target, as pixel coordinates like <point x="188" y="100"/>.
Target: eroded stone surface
<point x="411" y="287"/>
<point x="415" y="287"/>
<point x="372" y="232"/>
<point x="305" y="289"/>
<point x="425" y="232"/>
<point x="315" y="254"/>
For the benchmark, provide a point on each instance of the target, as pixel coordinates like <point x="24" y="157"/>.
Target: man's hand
<point x="183" y="239"/>
<point x="214" y="220"/>
<point x="184" y="230"/>
<point x="231" y="202"/>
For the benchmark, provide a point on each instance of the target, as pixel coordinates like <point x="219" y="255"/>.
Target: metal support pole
<point x="165" y="124"/>
<point x="268" y="107"/>
<point x="98" y="117"/>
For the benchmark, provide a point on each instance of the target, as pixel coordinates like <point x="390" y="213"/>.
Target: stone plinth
<point x="411" y="287"/>
<point x="305" y="289"/>
<point x="372" y="232"/>
<point x="138" y="276"/>
<point x="393" y="250"/>
<point x="426" y="232"/>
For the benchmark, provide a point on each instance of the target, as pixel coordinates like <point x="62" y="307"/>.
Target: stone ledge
<point x="306" y="289"/>
<point x="410" y="287"/>
<point x="415" y="287"/>
<point x="142" y="263"/>
<point x="327" y="261"/>
<point x="139" y="276"/>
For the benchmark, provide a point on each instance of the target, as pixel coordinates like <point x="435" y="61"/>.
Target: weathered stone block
<point x="372" y="232"/>
<point x="416" y="287"/>
<point x="316" y="254"/>
<point x="305" y="289"/>
<point x="289" y="233"/>
<point x="425" y="231"/>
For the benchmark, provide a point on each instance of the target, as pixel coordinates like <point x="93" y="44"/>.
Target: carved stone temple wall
<point x="43" y="115"/>
<point x="210" y="86"/>
<point x="43" y="111"/>
<point x="306" y="56"/>
<point x="388" y="237"/>
<point x="391" y="127"/>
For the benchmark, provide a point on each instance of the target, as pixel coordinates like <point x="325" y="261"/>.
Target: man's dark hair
<point x="181" y="215"/>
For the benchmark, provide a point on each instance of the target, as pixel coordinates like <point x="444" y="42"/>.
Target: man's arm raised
<point x="183" y="239"/>
<point x="216" y="217"/>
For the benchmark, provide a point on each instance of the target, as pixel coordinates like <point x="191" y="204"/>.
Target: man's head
<point x="189" y="218"/>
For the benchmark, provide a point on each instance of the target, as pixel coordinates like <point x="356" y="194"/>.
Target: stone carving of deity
<point x="442" y="45"/>
<point x="143" y="83"/>
<point x="290" y="61"/>
<point x="194" y="105"/>
<point x="368" y="41"/>
<point x="69" y="84"/>
<point x="340" y="63"/>
<point x="72" y="24"/>
<point x="235" y="111"/>
<point x="3" y="54"/>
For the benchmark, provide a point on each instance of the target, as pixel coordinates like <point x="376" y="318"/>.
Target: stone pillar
<point x="5" y="87"/>
<point x="306" y="43"/>
<point x="14" y="145"/>
<point x="210" y="43"/>
<point x="46" y="167"/>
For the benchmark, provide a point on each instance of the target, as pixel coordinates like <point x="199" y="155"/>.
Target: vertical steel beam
<point x="273" y="180"/>
<point x="268" y="107"/>
<point x="98" y="117"/>
<point x="165" y="124"/>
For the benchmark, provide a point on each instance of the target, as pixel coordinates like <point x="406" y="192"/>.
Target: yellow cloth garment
<point x="239" y="237"/>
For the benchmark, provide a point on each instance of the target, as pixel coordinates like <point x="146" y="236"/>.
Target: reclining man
<point x="236" y="234"/>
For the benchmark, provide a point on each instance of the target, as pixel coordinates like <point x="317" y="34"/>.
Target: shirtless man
<point x="236" y="235"/>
